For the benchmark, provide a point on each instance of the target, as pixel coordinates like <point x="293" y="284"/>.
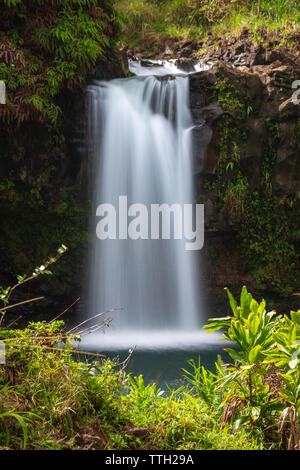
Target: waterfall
<point x="140" y="141"/>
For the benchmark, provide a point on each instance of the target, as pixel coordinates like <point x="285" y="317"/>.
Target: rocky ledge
<point x="246" y="123"/>
<point x="242" y="50"/>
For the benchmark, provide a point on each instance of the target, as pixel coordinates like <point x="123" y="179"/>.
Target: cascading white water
<point x="140" y="137"/>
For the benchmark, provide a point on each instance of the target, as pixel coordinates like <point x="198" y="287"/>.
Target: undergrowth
<point x="48" y="400"/>
<point x="53" y="397"/>
<point x="195" y="18"/>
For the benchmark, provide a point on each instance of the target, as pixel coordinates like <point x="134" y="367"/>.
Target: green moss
<point x="67" y="404"/>
<point x="270" y="234"/>
<point x="47" y="48"/>
<point x="267" y="223"/>
<point x="228" y="96"/>
<point x="32" y="228"/>
<point x="192" y="19"/>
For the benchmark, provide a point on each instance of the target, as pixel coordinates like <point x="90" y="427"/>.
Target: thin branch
<point x="92" y="329"/>
<point x="68" y="308"/>
<point x="47" y="338"/>
<point x="95" y="316"/>
<point x="21" y="303"/>
<point x="128" y="359"/>
<point x="35" y="275"/>
<point x="15" y="321"/>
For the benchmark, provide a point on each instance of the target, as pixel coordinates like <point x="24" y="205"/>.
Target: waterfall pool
<point x="162" y="356"/>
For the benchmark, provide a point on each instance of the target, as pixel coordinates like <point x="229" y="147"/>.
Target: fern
<point x="48" y="47"/>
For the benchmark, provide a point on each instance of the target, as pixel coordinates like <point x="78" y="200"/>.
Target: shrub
<point x="266" y="344"/>
<point x="48" y="47"/>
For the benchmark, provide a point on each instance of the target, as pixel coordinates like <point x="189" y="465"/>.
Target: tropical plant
<point x="265" y="342"/>
<point x="286" y="356"/>
<point x="47" y="47"/>
<point x="204" y="381"/>
<point x="5" y="293"/>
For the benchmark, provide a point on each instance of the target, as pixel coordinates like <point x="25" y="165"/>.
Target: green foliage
<point x="269" y="234"/>
<point x="193" y="18"/>
<point x="230" y="183"/>
<point x="286" y="356"/>
<point x="50" y="401"/>
<point x="204" y="381"/>
<point x="235" y="196"/>
<point x="265" y="343"/>
<point x="253" y="403"/>
<point x="56" y="392"/>
<point x="21" y="419"/>
<point x="227" y="96"/>
<point x="179" y="420"/>
<point x="144" y="397"/>
<point x="267" y="222"/>
<point x="48" y="47"/>
<point x="35" y="222"/>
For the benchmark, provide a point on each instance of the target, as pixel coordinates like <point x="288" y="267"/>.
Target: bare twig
<point x="98" y="326"/>
<point x="68" y="308"/>
<point x="95" y="316"/>
<point x="21" y="303"/>
<point x="128" y="359"/>
<point x="15" y="321"/>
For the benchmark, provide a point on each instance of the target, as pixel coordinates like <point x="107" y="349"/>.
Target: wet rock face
<point x="186" y="65"/>
<point x="237" y="51"/>
<point x="269" y="125"/>
<point x="201" y="138"/>
<point x="270" y="120"/>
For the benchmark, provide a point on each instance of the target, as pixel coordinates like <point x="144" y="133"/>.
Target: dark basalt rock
<point x="149" y="63"/>
<point x="186" y="65"/>
<point x="258" y="56"/>
<point x="268" y="126"/>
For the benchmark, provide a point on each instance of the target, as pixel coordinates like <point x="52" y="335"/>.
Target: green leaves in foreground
<point x="22" y="419"/>
<point x="263" y="385"/>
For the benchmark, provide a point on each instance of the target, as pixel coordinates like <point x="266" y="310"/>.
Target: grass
<point x="193" y="19"/>
<point x="48" y="400"/>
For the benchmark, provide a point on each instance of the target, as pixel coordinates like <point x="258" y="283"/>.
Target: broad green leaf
<point x="295" y="316"/>
<point x="232" y="302"/>
<point x="255" y="412"/>
<point x="237" y="356"/>
<point x="253" y="306"/>
<point x="254" y="353"/>
<point x="293" y="363"/>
